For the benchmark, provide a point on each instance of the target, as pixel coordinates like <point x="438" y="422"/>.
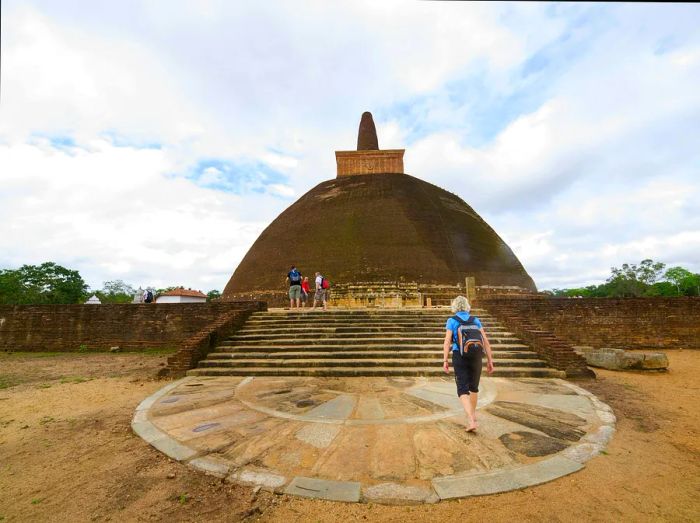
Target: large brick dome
<point x="378" y="228"/>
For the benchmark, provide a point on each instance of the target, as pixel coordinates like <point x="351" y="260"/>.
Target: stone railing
<point x="558" y="353"/>
<point x="198" y="346"/>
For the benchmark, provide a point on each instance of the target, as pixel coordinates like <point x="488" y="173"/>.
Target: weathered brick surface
<point x="195" y="348"/>
<point x="99" y="327"/>
<point x="558" y="353"/>
<point x="625" y="323"/>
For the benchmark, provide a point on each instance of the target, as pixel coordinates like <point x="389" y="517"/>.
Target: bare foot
<point x="472" y="426"/>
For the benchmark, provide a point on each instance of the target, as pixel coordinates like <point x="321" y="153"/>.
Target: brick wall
<point x="196" y="347"/>
<point x="99" y="327"/>
<point x="626" y="323"/>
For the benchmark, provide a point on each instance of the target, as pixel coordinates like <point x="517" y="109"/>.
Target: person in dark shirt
<point x="294" y="278"/>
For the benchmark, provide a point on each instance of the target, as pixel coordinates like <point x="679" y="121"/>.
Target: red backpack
<point x="325" y="284"/>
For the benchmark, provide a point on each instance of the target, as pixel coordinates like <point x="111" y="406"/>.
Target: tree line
<point x="648" y="278"/>
<point x="50" y="283"/>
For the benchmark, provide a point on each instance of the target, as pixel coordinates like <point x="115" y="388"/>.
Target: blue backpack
<point x="295" y="277"/>
<point x="468" y="334"/>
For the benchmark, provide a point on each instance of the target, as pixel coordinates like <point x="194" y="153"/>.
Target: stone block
<point x="397" y="494"/>
<point x="348" y="491"/>
<point x="619" y="359"/>
<point x="211" y="465"/>
<point x="265" y="479"/>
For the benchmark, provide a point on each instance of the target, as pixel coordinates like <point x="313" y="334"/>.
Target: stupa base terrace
<point x="393" y="294"/>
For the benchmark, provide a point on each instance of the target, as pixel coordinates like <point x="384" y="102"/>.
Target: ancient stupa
<point x="374" y="224"/>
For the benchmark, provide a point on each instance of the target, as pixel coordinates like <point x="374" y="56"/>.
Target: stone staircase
<point x="352" y="342"/>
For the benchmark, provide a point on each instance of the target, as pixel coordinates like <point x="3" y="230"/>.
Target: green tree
<point x="39" y="284"/>
<point x="633" y="280"/>
<point x="678" y="276"/>
<point x="213" y="295"/>
<point x="116" y="292"/>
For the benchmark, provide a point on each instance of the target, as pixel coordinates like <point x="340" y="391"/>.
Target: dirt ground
<point x="67" y="453"/>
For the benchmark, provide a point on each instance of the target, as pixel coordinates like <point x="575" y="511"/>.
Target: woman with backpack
<point x="466" y="339"/>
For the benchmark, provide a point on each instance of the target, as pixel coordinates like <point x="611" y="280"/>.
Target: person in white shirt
<point x="320" y="294"/>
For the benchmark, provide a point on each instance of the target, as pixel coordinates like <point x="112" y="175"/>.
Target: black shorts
<point x="467" y="369"/>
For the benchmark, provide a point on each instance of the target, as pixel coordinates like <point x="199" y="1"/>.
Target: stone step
<point x="350" y="329"/>
<point x="397" y="361"/>
<point x="372" y="342"/>
<point x="312" y="340"/>
<point x="438" y="326"/>
<point x="503" y="372"/>
<point x="316" y="315"/>
<point x="379" y="354"/>
<point x="363" y="312"/>
<point x="283" y="334"/>
<point x="311" y="316"/>
<point x="354" y="347"/>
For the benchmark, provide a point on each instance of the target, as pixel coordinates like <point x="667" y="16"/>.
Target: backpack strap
<point x="459" y="320"/>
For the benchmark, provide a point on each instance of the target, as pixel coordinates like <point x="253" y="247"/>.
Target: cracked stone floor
<point x="391" y="440"/>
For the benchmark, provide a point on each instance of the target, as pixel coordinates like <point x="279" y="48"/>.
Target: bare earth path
<point x="67" y="453"/>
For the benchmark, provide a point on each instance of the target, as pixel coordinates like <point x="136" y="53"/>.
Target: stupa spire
<point x="368" y="158"/>
<point x="367" y="135"/>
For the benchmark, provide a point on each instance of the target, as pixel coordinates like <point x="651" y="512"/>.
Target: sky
<point x="152" y="142"/>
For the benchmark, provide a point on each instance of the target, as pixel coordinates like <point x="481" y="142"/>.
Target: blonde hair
<point x="460" y="303"/>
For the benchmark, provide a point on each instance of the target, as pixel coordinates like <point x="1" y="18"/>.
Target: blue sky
<point x="153" y="141"/>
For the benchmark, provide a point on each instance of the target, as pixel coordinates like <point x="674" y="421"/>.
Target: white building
<point x="182" y="295"/>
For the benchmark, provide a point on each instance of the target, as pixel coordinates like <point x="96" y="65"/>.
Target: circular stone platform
<point x="385" y="440"/>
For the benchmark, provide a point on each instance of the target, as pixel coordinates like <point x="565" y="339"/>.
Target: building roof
<point x="181" y="291"/>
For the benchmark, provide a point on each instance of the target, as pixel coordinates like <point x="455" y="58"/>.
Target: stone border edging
<point x="445" y="487"/>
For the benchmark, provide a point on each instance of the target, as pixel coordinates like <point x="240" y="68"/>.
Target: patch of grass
<point x="604" y="452"/>
<point x="183" y="498"/>
<point x="8" y="380"/>
<point x="36" y="501"/>
<point x="153" y="351"/>
<point x="158" y="351"/>
<point x="26" y="354"/>
<point x="43" y="386"/>
<point x="45" y="420"/>
<point x="75" y="379"/>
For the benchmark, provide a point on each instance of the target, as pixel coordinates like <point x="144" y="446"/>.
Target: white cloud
<point x="590" y="159"/>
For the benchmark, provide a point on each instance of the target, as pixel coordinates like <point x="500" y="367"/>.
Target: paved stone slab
<point x="148" y="402"/>
<point x="369" y="409"/>
<point x="325" y="489"/>
<point x="475" y="485"/>
<point x="601" y="436"/>
<point x="147" y="431"/>
<point x="544" y="471"/>
<point x="338" y="408"/>
<point x="256" y="477"/>
<point x="173" y="449"/>
<point x="397" y="436"/>
<point x="211" y="465"/>
<point x="579" y="405"/>
<point x="397" y="494"/>
<point x="318" y="435"/>
<point x="553" y="422"/>
<point x="531" y="444"/>
<point x="582" y="452"/>
<point x="448" y="401"/>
